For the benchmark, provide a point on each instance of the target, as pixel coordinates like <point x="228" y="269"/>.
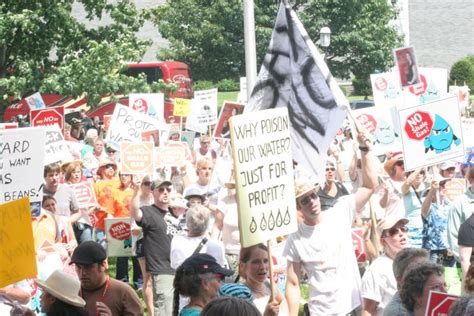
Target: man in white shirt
<point x="323" y="246"/>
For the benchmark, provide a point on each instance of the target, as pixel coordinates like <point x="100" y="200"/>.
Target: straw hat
<point x="303" y="187"/>
<point x="390" y="164"/>
<point x="64" y="287"/>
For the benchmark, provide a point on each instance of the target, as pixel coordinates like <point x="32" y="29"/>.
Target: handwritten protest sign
<point x="431" y="133"/>
<point x="120" y="239"/>
<point x="17" y="251"/>
<point x="203" y="111"/>
<point x="439" y="303"/>
<point x="229" y="109"/>
<point x="182" y="107"/>
<point x="264" y="175"/>
<point x="21" y="164"/>
<point x="128" y="125"/>
<point x="136" y="157"/>
<point x="84" y="193"/>
<point x="56" y="149"/>
<point x="152" y="104"/>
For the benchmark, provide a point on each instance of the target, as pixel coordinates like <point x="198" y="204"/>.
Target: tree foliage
<point x="462" y="72"/>
<point x="208" y="34"/>
<point x="44" y="48"/>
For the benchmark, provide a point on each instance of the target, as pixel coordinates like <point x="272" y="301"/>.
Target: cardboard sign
<point x="407" y="66"/>
<point x="263" y="164"/>
<point x="137" y="157"/>
<point x="48" y="117"/>
<point x="35" y="101"/>
<point x="18" y="255"/>
<point x="431" y="133"/>
<point x="56" y="149"/>
<point x="229" y="109"/>
<point x="128" y="125"/>
<point x="454" y="188"/>
<point x="151" y="104"/>
<point x="439" y="303"/>
<point x="85" y="194"/>
<point x="182" y="107"/>
<point x="203" y="111"/>
<point x="170" y="156"/>
<point x="21" y="165"/>
<point x="119" y="237"/>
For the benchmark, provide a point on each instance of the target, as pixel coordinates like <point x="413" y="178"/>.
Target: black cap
<point x="201" y="263"/>
<point x="88" y="252"/>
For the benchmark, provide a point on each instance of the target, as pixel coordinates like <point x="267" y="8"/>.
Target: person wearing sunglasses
<point x="378" y="282"/>
<point x="199" y="277"/>
<point x="323" y="245"/>
<point x="158" y="231"/>
<point x="332" y="189"/>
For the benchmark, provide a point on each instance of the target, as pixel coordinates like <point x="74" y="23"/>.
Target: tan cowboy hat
<point x="64" y="287"/>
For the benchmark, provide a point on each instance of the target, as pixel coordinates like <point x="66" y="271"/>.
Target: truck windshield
<point x="153" y="74"/>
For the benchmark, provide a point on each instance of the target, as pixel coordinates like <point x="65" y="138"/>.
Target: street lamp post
<point x="325" y="40"/>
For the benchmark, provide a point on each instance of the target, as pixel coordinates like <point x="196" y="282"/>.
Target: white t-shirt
<point x="327" y="254"/>
<point x="230" y="227"/>
<point x="182" y="247"/>
<point x="378" y="282"/>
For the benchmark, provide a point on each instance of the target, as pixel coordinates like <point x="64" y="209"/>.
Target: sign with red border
<point x="439" y="303"/>
<point x="47" y="117"/>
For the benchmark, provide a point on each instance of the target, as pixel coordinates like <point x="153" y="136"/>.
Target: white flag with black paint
<point x="294" y="75"/>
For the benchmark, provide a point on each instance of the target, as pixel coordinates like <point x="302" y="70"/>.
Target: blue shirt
<point x="435" y="227"/>
<point x="190" y="311"/>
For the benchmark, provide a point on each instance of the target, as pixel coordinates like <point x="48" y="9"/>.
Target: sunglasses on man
<point x="313" y="196"/>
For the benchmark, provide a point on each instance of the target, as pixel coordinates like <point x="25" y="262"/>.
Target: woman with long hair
<point x="254" y="270"/>
<point x="199" y="278"/>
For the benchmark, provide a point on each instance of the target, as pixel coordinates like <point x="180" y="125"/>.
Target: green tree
<point x="462" y="72"/>
<point x="44" y="48"/>
<point x="208" y="34"/>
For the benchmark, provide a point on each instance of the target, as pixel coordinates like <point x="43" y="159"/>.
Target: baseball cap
<point x="88" y="252"/>
<point x="159" y="182"/>
<point x="194" y="192"/>
<point x="201" y="263"/>
<point x="389" y="221"/>
<point x="447" y="164"/>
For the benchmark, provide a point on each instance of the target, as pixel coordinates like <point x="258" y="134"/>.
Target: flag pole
<point x="250" y="49"/>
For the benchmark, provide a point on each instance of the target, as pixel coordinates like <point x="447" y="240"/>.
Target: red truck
<point x="175" y="71"/>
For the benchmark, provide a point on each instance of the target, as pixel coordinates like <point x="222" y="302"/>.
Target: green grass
<point x="226" y="96"/>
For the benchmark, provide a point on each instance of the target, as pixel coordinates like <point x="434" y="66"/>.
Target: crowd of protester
<point x="188" y="258"/>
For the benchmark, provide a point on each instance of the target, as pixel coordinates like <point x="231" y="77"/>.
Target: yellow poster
<point x="17" y="251"/>
<point x="182" y="107"/>
<point x="263" y="166"/>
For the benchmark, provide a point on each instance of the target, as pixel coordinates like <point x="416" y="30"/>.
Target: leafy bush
<point x="226" y="85"/>
<point x="203" y="85"/>
<point x="362" y="87"/>
<point x="463" y="72"/>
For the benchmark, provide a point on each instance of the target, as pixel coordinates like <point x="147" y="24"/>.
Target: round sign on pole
<point x="418" y="125"/>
